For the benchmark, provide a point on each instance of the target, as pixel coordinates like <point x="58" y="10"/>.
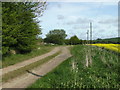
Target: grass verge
<point x="72" y="73"/>
<point x="22" y="70"/>
<point x="13" y="59"/>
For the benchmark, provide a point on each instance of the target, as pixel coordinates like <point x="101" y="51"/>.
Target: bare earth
<point x="27" y="62"/>
<point x="27" y="79"/>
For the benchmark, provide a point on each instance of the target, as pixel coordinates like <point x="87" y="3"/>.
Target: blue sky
<point x="74" y="18"/>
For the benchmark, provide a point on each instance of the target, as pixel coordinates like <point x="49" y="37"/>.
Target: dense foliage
<point x="56" y="36"/>
<point x="74" y="40"/>
<point x="19" y="25"/>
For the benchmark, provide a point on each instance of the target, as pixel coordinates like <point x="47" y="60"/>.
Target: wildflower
<point x="114" y="47"/>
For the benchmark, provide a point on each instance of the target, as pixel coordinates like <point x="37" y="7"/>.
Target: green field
<point x="13" y="59"/>
<point x="73" y="73"/>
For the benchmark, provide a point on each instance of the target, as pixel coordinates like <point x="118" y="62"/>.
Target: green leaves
<point x="74" y="40"/>
<point x="56" y="36"/>
<point x="4" y="49"/>
<point x="19" y="26"/>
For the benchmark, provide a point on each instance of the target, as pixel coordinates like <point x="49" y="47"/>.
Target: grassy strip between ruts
<point x="72" y="73"/>
<point x="22" y="70"/>
<point x="13" y="59"/>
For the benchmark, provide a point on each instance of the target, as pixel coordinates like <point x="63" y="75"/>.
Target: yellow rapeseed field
<point x="114" y="47"/>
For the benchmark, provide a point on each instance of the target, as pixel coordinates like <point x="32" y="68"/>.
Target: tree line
<point x="108" y="40"/>
<point x="58" y="36"/>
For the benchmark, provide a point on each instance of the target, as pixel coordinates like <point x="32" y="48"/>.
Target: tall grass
<point x="102" y="73"/>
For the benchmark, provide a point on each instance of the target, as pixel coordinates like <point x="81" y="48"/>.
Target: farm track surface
<point x="30" y="77"/>
<point x="27" y="62"/>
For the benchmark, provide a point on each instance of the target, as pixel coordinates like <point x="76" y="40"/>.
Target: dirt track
<point x="27" y="62"/>
<point x="30" y="77"/>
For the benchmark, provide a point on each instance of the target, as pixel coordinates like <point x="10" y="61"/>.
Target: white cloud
<point x="83" y="0"/>
<point x="78" y="20"/>
<point x="75" y="19"/>
<point x="60" y="17"/>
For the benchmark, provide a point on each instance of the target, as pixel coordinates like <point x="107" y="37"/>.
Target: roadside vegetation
<point x="20" y="31"/>
<point x="73" y="73"/>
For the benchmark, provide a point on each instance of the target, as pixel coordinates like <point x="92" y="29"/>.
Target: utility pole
<point x="90" y="32"/>
<point x="87" y="36"/>
<point x="90" y="53"/>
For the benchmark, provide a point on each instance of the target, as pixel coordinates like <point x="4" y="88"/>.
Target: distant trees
<point x="67" y="41"/>
<point x="99" y="39"/>
<point x="108" y="40"/>
<point x="74" y="40"/>
<point x="19" y="26"/>
<point x="56" y="36"/>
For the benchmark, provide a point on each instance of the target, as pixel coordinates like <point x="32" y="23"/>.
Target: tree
<point x="56" y="36"/>
<point x="7" y="26"/>
<point x="99" y="39"/>
<point x="20" y="26"/>
<point x="74" y="40"/>
<point x="67" y="41"/>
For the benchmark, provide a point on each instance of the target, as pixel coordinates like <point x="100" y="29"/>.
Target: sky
<point x="75" y="17"/>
